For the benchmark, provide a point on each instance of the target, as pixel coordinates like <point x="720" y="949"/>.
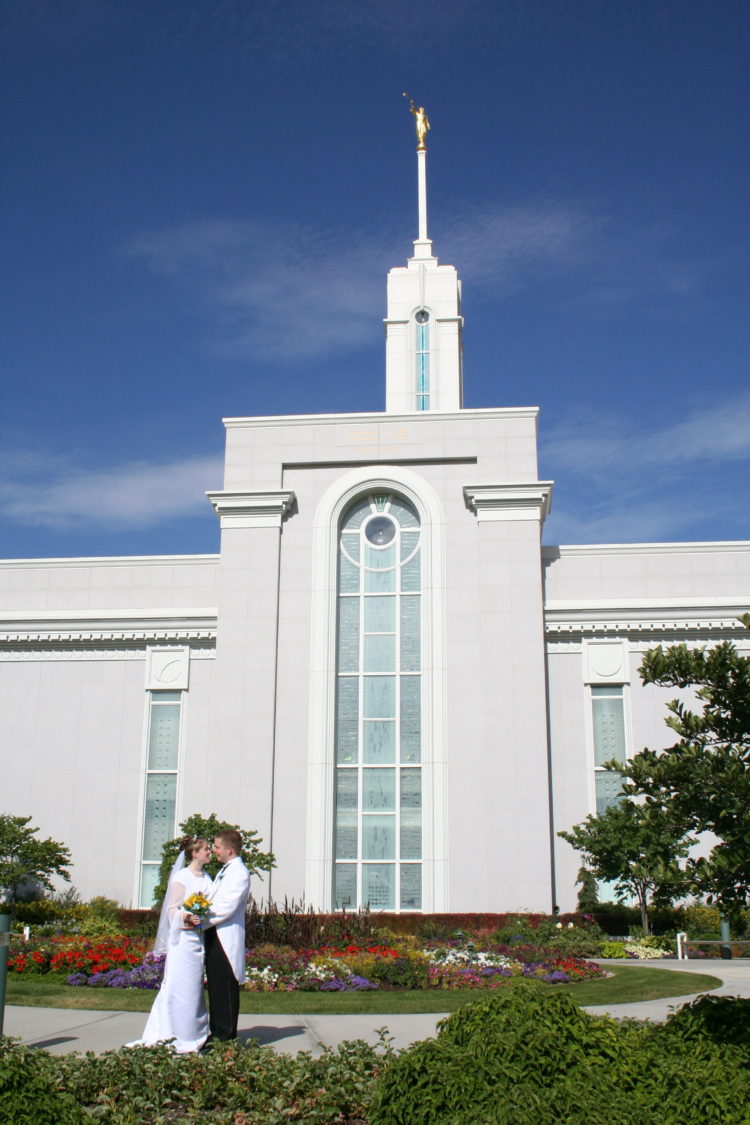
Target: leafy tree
<point x="703" y="782"/>
<point x="588" y="896"/>
<point x="208" y="826"/>
<point x="26" y="859"/>
<point x="635" y="847"/>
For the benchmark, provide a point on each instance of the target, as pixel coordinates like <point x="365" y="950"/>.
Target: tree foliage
<point x="26" y="859"/>
<point x="208" y="826"/>
<point x="635" y="847"/>
<point x="702" y="783"/>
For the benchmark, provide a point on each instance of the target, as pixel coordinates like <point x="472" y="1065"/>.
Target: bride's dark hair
<point x="189" y="845"/>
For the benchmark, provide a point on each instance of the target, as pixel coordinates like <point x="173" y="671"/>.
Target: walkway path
<point x="59" y="1030"/>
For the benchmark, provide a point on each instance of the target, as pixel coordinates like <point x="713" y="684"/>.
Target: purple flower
<point x="360" y="983"/>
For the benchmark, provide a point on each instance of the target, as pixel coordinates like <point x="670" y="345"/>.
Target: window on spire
<point x="422" y="319"/>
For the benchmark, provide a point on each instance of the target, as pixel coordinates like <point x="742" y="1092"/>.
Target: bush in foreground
<point x="524" y="1056"/>
<point x="236" y="1085"/>
<point x="528" y="1056"/>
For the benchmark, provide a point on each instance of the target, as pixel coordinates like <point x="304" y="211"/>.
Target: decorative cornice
<point x="551" y="553"/>
<point x="252" y="509"/>
<point x="108" y="629"/>
<point x="529" y="501"/>
<point x="660" y="619"/>
<point x="107" y="560"/>
<point x="424" y="416"/>
<point x="93" y="653"/>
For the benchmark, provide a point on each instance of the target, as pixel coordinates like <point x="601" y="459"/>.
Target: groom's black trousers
<point x="223" y="989"/>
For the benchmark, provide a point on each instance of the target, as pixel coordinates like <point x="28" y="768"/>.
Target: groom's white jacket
<point x="227" y="913"/>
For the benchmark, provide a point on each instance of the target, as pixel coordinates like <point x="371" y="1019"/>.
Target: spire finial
<point x="422" y="122"/>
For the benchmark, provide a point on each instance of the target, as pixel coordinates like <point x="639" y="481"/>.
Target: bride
<point x="179" y="1011"/>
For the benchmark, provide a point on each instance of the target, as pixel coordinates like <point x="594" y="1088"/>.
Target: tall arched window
<point x="378" y="810"/>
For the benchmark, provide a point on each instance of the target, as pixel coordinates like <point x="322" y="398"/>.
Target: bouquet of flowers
<point x="197" y="904"/>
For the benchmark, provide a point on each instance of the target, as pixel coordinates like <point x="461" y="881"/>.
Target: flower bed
<point x="87" y="956"/>
<point x="365" y="967"/>
<point x="120" y="963"/>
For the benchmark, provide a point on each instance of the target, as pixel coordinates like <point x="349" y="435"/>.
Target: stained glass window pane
<point x="609" y="730"/>
<point x="404" y="513"/>
<point x="348" y="576"/>
<point x="608" y="789"/>
<point x="378" y="885"/>
<point x="380" y="559"/>
<point x="348" y="634"/>
<point x="346" y="789"/>
<point x="409" y="540"/>
<point x="411" y="739"/>
<point x="348" y="719"/>
<point x="379" y="790"/>
<point x="380" y="615"/>
<point x="346" y="833"/>
<point x="357" y="513"/>
<point x="345" y="888"/>
<point x="158" y="824"/>
<point x="379" y="741"/>
<point x="380" y="581"/>
<point x="380" y="654"/>
<point x="164" y="736"/>
<point x="410" y="634"/>
<point x="149" y="879"/>
<point x="411" y="833"/>
<point x="351" y="545"/>
<point x="378" y="837"/>
<point x="380" y="697"/>
<point x="410" y="575"/>
<point x="411" y="886"/>
<point x="411" y="789"/>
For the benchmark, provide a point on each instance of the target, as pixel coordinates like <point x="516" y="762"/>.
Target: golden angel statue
<point x="421" y="121"/>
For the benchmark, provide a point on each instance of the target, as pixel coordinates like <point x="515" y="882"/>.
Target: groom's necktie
<point x="217" y="880"/>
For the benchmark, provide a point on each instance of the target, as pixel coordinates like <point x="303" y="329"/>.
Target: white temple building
<point x="382" y="671"/>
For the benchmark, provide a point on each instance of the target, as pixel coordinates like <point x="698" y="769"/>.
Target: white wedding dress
<point x="179" y="1011"/>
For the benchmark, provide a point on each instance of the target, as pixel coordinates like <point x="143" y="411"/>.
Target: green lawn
<point x="627" y="983"/>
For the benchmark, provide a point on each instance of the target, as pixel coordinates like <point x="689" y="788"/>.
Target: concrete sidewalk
<point x="59" y="1030"/>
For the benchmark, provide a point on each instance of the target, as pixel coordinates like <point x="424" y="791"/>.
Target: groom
<point x="224" y="936"/>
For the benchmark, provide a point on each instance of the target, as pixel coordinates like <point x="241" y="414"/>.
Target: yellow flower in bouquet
<point x="196" y="903"/>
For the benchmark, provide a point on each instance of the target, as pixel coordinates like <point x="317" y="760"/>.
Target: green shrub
<point x="400" y="972"/>
<point x="525" y="1056"/>
<point x="720" y="1019"/>
<point x="29" y="1089"/>
<point x="46" y="911"/>
<point x="247" y="1085"/>
<point x="702" y="920"/>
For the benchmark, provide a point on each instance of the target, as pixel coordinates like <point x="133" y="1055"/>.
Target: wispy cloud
<point x="282" y="291"/>
<point x="623" y="479"/>
<point x="42" y="491"/>
<point x="598" y="440"/>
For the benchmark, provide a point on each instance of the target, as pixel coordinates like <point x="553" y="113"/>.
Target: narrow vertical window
<point x="422" y="319"/>
<point x="378" y="826"/>
<point x="160" y="786"/>
<point x="608" y="713"/>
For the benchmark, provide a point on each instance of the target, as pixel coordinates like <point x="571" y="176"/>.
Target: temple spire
<point x="424" y="369"/>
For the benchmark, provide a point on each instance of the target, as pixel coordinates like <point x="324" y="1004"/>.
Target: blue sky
<point x="201" y="199"/>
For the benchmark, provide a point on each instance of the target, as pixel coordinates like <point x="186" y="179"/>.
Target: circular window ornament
<point x="422" y="316"/>
<point x="380" y="531"/>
